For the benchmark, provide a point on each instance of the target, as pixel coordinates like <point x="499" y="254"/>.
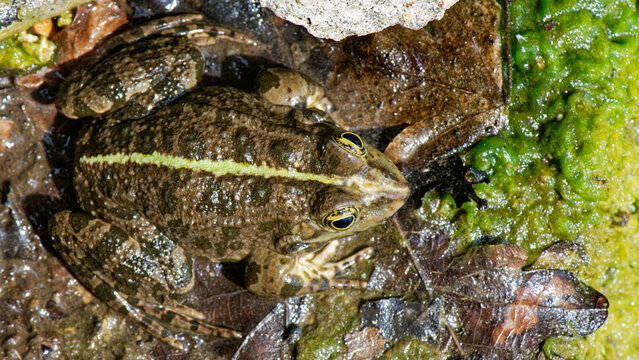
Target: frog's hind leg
<point x="115" y="300"/>
<point x="274" y="275"/>
<point x="148" y="65"/>
<point x="119" y="271"/>
<point x="186" y="318"/>
<point x="145" y="30"/>
<point x="193" y="26"/>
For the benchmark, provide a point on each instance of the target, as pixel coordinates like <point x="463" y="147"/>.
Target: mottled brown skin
<point x="145" y="222"/>
<point x="204" y="210"/>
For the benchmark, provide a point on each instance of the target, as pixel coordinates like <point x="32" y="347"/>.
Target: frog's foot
<point x="287" y="87"/>
<point x="186" y="318"/>
<point x="149" y="323"/>
<point x="180" y="317"/>
<point x="274" y="275"/>
<point x="193" y="26"/>
<point x="100" y="256"/>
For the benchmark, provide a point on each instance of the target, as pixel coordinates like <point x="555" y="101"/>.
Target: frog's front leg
<point x="274" y="275"/>
<point x="130" y="277"/>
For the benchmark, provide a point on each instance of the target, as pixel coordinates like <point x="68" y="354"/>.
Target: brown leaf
<point x="224" y="301"/>
<point x="273" y="336"/>
<point x="91" y="24"/>
<point x="480" y="301"/>
<point x="419" y="144"/>
<point x="564" y="254"/>
<point x="443" y="81"/>
<point x="24" y="161"/>
<point x="364" y="344"/>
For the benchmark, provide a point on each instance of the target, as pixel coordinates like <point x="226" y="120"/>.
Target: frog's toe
<point x="275" y="275"/>
<point x="338" y="268"/>
<point x="188" y="319"/>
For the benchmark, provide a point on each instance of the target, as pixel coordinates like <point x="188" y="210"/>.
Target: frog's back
<point x="214" y="169"/>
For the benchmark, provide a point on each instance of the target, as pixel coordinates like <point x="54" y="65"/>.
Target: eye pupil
<point x="343" y="223"/>
<point x="342" y="218"/>
<point x="353" y="138"/>
<point x="350" y="142"/>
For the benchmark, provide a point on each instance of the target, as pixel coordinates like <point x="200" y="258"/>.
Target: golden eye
<point x="342" y="218"/>
<point x="350" y="142"/>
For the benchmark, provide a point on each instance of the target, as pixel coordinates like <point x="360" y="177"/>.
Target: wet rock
<point x="337" y="19"/>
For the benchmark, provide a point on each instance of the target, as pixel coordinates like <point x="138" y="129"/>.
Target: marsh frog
<point x="166" y="172"/>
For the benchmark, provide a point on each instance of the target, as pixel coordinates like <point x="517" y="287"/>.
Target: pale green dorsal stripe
<point x="215" y="167"/>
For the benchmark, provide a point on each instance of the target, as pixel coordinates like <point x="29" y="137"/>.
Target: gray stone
<point x="337" y="19"/>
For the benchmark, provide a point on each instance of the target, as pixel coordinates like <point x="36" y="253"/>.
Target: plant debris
<point x="479" y="301"/>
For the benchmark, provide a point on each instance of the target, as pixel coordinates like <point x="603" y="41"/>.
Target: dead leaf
<point x="444" y="82"/>
<point x="92" y="23"/>
<point x="479" y="301"/>
<point x="364" y="344"/>
<point x="565" y="255"/>
<point x="274" y="336"/>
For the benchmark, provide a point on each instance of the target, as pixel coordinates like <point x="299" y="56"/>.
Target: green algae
<point x="26" y="52"/>
<point x="324" y="340"/>
<point x="566" y="167"/>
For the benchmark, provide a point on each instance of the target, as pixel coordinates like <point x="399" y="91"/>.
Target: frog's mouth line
<point x="230" y="167"/>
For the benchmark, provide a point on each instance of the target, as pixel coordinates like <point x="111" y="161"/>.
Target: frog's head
<point x="368" y="188"/>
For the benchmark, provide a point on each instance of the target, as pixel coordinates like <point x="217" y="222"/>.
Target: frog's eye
<point x="342" y="218"/>
<point x="350" y="142"/>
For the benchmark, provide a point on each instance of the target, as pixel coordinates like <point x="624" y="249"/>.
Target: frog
<point x="167" y="171"/>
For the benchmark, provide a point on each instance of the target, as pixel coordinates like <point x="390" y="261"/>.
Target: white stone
<point x="337" y="19"/>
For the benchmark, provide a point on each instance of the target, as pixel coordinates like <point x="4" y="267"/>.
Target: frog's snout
<point x="391" y="184"/>
<point x="395" y="189"/>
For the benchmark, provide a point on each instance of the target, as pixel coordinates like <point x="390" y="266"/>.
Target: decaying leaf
<point x="443" y="82"/>
<point x="364" y="344"/>
<point x="91" y="24"/>
<point x="481" y="301"/>
<point x="273" y="336"/>
<point x="566" y="255"/>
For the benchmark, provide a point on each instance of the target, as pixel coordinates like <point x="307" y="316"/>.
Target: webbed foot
<point x="274" y="275"/>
